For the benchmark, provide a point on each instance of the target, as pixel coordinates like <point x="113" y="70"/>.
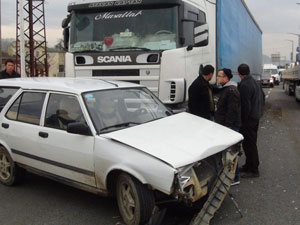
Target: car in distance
<point x="111" y="138"/>
<point x="267" y="80"/>
<point x="273" y="70"/>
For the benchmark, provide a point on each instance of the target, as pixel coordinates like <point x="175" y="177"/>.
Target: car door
<point x="21" y="125"/>
<point x="66" y="155"/>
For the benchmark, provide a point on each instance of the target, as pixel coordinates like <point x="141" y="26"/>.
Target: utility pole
<point x="292" y="53"/>
<point x="31" y="29"/>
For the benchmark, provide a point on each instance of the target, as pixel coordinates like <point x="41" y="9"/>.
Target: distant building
<point x="56" y="62"/>
<point x="56" y="59"/>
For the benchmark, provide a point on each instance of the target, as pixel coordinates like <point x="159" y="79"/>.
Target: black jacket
<point x="228" y="112"/>
<point x="252" y="99"/>
<point x="199" y="99"/>
<point x="5" y="75"/>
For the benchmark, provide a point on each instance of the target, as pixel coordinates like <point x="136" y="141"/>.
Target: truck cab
<point x="159" y="44"/>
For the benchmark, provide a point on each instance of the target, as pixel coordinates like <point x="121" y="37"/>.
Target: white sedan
<point x="111" y="138"/>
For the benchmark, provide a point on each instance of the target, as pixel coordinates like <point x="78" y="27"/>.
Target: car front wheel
<point x="135" y="201"/>
<point x="8" y="169"/>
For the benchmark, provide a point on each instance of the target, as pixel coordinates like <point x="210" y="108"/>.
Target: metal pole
<point x="22" y="39"/>
<point x="31" y="40"/>
<point x="292" y="54"/>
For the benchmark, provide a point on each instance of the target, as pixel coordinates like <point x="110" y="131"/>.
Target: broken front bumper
<point x="199" y="179"/>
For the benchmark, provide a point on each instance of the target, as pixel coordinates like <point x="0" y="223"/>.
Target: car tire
<point x="135" y="201"/>
<point x="9" y="172"/>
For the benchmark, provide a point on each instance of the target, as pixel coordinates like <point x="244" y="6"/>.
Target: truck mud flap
<point x="216" y="196"/>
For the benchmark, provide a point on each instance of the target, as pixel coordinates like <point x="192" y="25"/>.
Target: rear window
<point x="5" y="94"/>
<point x="27" y="108"/>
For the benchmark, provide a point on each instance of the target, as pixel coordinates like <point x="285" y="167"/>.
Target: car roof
<point x="72" y="85"/>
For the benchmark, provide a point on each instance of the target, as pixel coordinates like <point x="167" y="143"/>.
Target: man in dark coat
<point x="228" y="112"/>
<point x="200" y="94"/>
<point x="9" y="71"/>
<point x="252" y="103"/>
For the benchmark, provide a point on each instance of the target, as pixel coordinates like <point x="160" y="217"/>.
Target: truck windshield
<point x="134" y="30"/>
<point x="271" y="71"/>
<point x="120" y="108"/>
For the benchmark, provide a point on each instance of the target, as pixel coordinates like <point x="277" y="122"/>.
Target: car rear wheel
<point x="8" y="169"/>
<point x="135" y="201"/>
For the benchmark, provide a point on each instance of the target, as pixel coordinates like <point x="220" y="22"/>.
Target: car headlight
<point x="184" y="175"/>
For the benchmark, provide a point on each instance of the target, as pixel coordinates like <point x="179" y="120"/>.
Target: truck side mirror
<point x="66" y="34"/>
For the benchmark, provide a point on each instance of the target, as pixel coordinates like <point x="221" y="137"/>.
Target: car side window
<point x="27" y="108"/>
<point x="5" y="94"/>
<point x="62" y="110"/>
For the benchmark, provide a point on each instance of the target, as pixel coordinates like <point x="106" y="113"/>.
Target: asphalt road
<point x="271" y="199"/>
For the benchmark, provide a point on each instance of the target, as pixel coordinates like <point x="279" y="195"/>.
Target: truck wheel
<point x="135" y="201"/>
<point x="8" y="168"/>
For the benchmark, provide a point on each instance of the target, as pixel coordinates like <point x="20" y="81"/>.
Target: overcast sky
<point x="276" y="18"/>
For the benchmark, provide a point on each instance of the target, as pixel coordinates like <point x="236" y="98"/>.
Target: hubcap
<point x="128" y="200"/>
<point x="5" y="167"/>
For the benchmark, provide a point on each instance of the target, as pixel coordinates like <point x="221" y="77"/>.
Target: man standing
<point x="9" y="71"/>
<point x="228" y="110"/>
<point x="200" y="94"/>
<point x="252" y="103"/>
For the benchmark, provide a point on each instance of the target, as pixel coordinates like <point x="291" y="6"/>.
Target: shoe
<point x="235" y="183"/>
<point x="250" y="175"/>
<point x="244" y="169"/>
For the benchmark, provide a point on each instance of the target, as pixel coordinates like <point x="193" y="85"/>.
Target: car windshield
<point x="271" y="71"/>
<point x="135" y="30"/>
<point x="120" y="108"/>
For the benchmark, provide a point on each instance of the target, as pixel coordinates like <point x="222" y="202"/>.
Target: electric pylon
<point x="36" y="59"/>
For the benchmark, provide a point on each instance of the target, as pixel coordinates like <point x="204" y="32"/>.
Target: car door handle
<point x="43" y="134"/>
<point x="5" y="125"/>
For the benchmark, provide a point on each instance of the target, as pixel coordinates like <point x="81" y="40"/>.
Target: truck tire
<point x="135" y="201"/>
<point x="9" y="171"/>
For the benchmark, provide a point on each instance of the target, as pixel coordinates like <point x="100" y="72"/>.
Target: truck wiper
<point x="127" y="124"/>
<point x="131" y="48"/>
<point x="88" y="51"/>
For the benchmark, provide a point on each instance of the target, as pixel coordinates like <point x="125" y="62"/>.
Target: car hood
<point x="179" y="139"/>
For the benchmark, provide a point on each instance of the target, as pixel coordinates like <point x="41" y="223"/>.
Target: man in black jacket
<point x="228" y="112"/>
<point x="252" y="103"/>
<point x="200" y="94"/>
<point x="9" y="71"/>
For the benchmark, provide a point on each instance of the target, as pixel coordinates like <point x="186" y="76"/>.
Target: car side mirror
<point x="79" y="128"/>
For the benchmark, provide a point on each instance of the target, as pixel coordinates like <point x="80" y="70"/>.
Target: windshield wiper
<point x="127" y="124"/>
<point x="131" y="48"/>
<point x="88" y="51"/>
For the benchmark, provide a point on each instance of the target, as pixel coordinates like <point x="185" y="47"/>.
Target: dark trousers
<point x="249" y="131"/>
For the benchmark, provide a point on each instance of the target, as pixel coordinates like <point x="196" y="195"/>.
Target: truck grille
<point x="109" y="73"/>
<point x="173" y="91"/>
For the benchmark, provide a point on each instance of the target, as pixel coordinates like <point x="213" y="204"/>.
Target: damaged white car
<point x="113" y="138"/>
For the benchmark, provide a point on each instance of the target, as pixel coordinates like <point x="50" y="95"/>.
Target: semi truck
<point x="160" y="44"/>
<point x="291" y="81"/>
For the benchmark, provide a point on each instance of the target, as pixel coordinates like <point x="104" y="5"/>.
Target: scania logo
<point x="114" y="59"/>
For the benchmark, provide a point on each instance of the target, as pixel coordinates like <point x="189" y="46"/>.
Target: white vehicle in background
<point x="273" y="71"/>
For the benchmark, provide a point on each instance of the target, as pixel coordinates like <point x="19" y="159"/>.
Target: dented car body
<point x="111" y="138"/>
